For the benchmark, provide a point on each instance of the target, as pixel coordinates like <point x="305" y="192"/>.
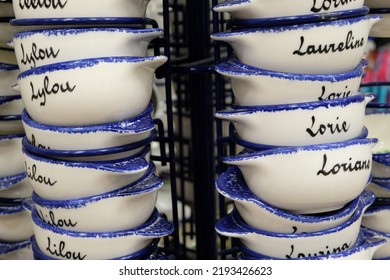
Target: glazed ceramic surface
<point x="317" y="178"/>
<point x="62" y="179"/>
<point x="247" y="9"/>
<point x="15" y="223"/>
<point x="117" y="210"/>
<point x="15" y="187"/>
<point x="73" y="8"/>
<point x="16" y="250"/>
<point x="8" y="76"/>
<point x="11" y="105"/>
<point x="89" y="91"/>
<point x="377" y="216"/>
<point x="11" y="157"/>
<point x="65" y="244"/>
<point x="259" y="214"/>
<point x="89" y="137"/>
<point x="313" y="48"/>
<point x="381" y="29"/>
<point x="377" y="122"/>
<point x="384" y="251"/>
<point x="293" y="246"/>
<point x="34" y="48"/>
<point x="308" y="123"/>
<point x="256" y="86"/>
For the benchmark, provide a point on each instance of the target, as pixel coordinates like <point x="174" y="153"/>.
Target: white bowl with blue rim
<point x="11" y="105"/>
<point x="66" y="244"/>
<point x="15" y="222"/>
<point x="11" y="157"/>
<point x="322" y="47"/>
<point x="38" y="47"/>
<point x="249" y="9"/>
<point x="259" y="214"/>
<point x="295" y="124"/>
<point x="317" y="178"/>
<point x="377" y="121"/>
<point x="126" y="207"/>
<point x="381" y="30"/>
<point x="8" y="75"/>
<point x="384" y="251"/>
<point x="15" y="187"/>
<point x="89" y="91"/>
<point x="74" y="9"/>
<point x="21" y="250"/>
<point x="257" y="86"/>
<point x="89" y="137"/>
<point x="380" y="186"/>
<point x="142" y="254"/>
<point x="364" y="249"/>
<point x="63" y="179"/>
<point x="294" y="245"/>
<point x="377" y="216"/>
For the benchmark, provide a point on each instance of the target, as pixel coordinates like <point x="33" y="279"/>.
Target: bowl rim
<point x="9" y="247"/>
<point x="11" y="208"/>
<point x="9" y="181"/>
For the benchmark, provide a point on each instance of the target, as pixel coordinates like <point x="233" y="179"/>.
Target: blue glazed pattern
<point x="8" y="67"/>
<point x="231" y="184"/>
<point x="9" y="181"/>
<point x="7" y="99"/>
<point x="383" y="183"/>
<point x="11" y="208"/>
<point x="9" y="247"/>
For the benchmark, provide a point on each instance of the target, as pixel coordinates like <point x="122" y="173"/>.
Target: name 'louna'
<point x="38" y="4"/>
<point x="350" y="43"/>
<point x="325" y="5"/>
<point x="350" y="166"/>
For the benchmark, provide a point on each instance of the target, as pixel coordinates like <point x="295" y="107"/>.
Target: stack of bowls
<point x="15" y="223"/>
<point x="377" y="217"/>
<point x="86" y="83"/>
<point x="298" y="185"/>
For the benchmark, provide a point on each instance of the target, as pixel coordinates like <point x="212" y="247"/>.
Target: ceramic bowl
<point x="317" y="178"/>
<point x="381" y="29"/>
<point x="314" y="122"/>
<point x="259" y="214"/>
<point x="142" y="254"/>
<point x="89" y="91"/>
<point x="15" y="187"/>
<point x="16" y="250"/>
<point x="294" y="245"/>
<point x="72" y="9"/>
<point x="102" y="136"/>
<point x="11" y="105"/>
<point x="11" y="157"/>
<point x="15" y="223"/>
<point x="384" y="251"/>
<point x="121" y="209"/>
<point x="364" y="249"/>
<point x="256" y="86"/>
<point x="11" y="124"/>
<point x="380" y="186"/>
<point x="66" y="244"/>
<point x="34" y="48"/>
<point x="314" y="48"/>
<point x="63" y="179"/>
<point x="248" y="9"/>
<point x="377" y="216"/>
<point x="8" y="76"/>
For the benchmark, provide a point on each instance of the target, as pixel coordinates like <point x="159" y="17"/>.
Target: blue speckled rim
<point x="7" y="99"/>
<point x="140" y="123"/>
<point x="82" y="30"/>
<point x="9" y="247"/>
<point x="231" y="184"/>
<point x="256" y="146"/>
<point x="383" y="183"/>
<point x="382" y="158"/>
<point x="88" y="21"/>
<point x="8" y="67"/>
<point x="11" y="208"/>
<point x="369" y="232"/>
<point x="141" y="254"/>
<point x="91" y="152"/>
<point x="253" y="154"/>
<point x="236" y="68"/>
<point x="83" y="63"/>
<point x="156" y="226"/>
<point x="313" y="105"/>
<point x="361" y="244"/>
<point x="147" y="183"/>
<point x="299" y="19"/>
<point x="234" y="223"/>
<point x="9" y="181"/>
<point x="303" y="26"/>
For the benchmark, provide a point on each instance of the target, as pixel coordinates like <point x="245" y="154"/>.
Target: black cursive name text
<point x="326" y="251"/>
<point x="333" y="95"/>
<point x="39" y="4"/>
<point x="37" y="54"/>
<point x="325" y="5"/>
<point x="49" y="88"/>
<point x="61" y="251"/>
<point x="350" y="166"/>
<point x="329" y="127"/>
<point x="33" y="175"/>
<point x="52" y="220"/>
